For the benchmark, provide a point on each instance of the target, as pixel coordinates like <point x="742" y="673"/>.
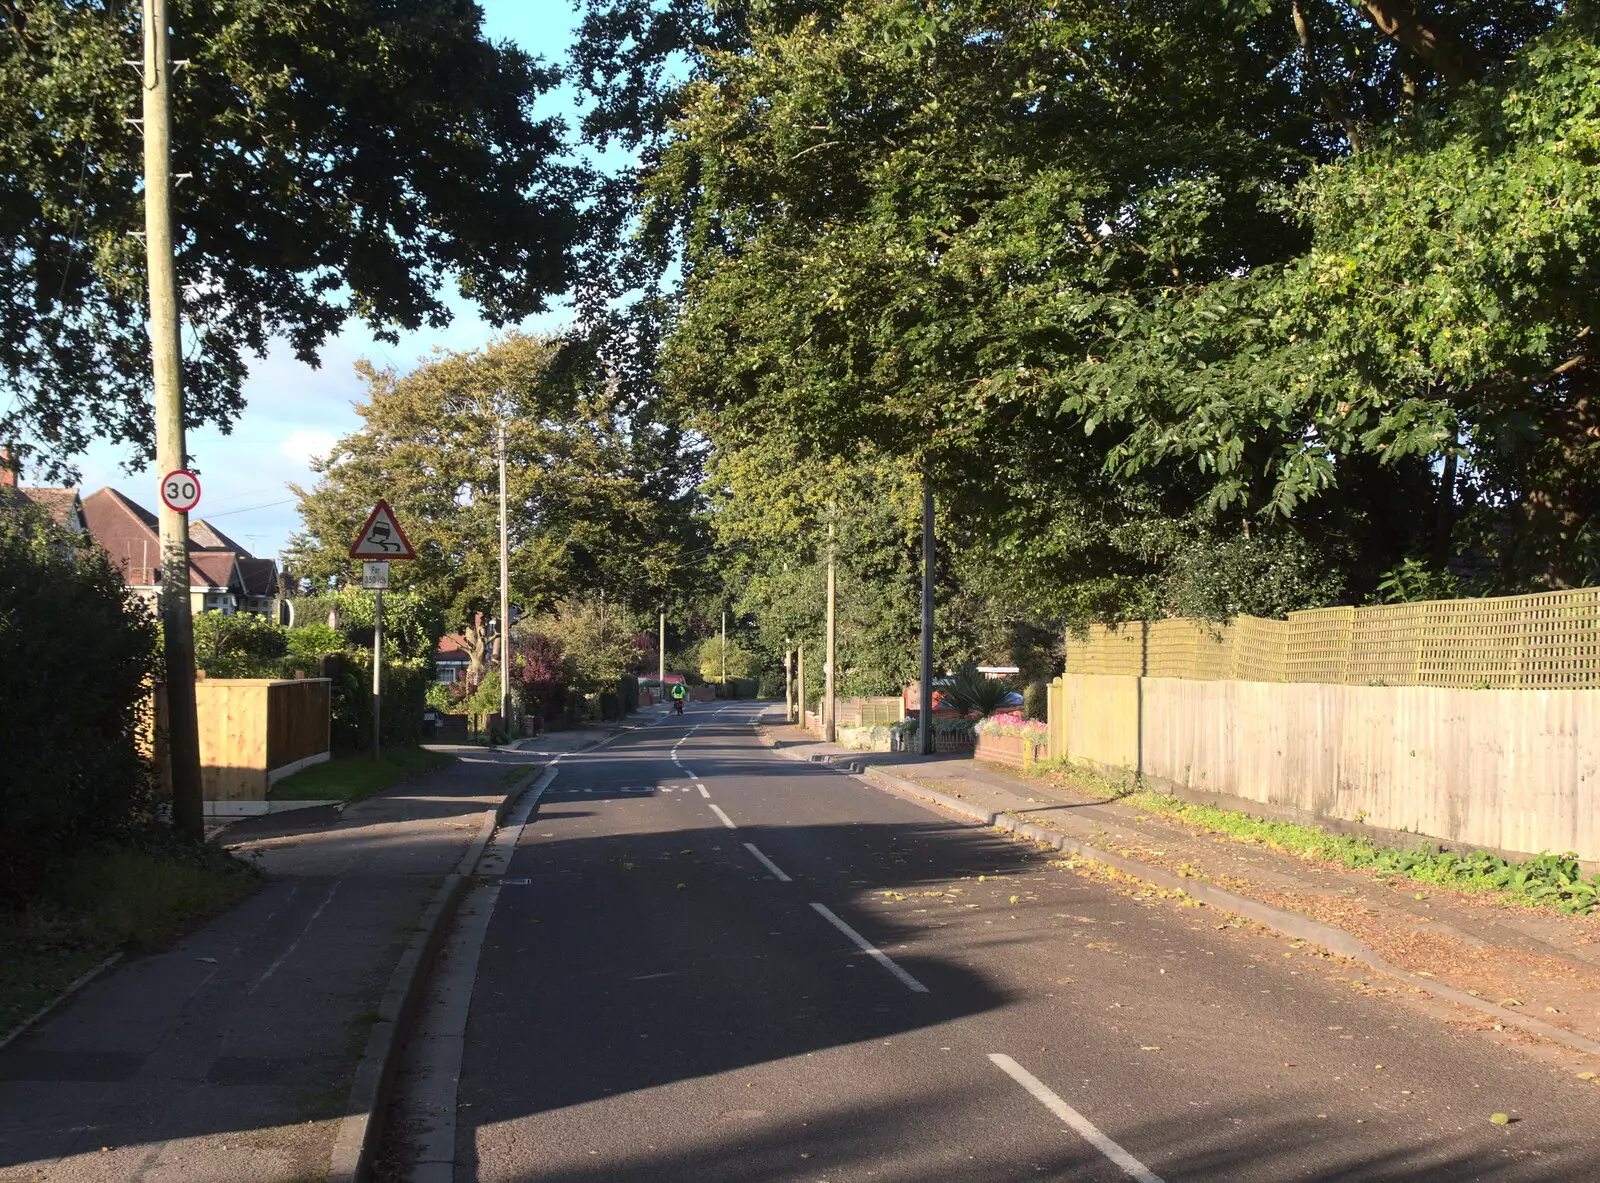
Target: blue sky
<point x="294" y="411"/>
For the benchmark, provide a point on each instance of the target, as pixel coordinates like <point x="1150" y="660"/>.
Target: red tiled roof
<point x="260" y="575"/>
<point x="128" y="532"/>
<point x="131" y="535"/>
<point x="60" y="504"/>
<point x="204" y="536"/>
<point x="214" y="568"/>
<point x="452" y="647"/>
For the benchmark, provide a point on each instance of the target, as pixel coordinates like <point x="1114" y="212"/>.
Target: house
<point x="223" y="576"/>
<point x="62" y="505"/>
<point x="450" y="660"/>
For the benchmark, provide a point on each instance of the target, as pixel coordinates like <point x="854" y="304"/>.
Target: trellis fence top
<point x="1546" y="641"/>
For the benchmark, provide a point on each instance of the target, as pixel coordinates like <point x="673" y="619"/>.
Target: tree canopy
<point x="1184" y="307"/>
<point x="347" y="158"/>
<point x="595" y="502"/>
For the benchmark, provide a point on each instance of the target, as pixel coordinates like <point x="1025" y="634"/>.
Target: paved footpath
<point x="229" y="1056"/>
<point x="1544" y="966"/>
<point x="700" y="960"/>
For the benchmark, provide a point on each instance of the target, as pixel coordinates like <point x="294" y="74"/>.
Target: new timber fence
<point x="1547" y="641"/>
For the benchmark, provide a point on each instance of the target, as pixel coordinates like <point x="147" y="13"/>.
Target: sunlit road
<point x="704" y="961"/>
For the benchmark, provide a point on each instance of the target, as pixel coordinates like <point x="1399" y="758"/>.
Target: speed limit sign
<point x="180" y="490"/>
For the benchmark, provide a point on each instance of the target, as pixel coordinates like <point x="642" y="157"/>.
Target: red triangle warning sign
<point x="381" y="537"/>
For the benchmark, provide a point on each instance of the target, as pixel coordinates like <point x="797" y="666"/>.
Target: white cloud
<point x="305" y="445"/>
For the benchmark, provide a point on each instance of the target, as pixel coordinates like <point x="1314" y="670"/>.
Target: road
<point x="702" y="961"/>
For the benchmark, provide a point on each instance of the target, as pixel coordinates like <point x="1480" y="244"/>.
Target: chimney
<point x="8" y="469"/>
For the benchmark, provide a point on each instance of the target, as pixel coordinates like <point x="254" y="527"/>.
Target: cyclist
<point x="679" y="693"/>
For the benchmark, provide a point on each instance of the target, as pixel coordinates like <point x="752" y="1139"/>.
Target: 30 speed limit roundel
<point x="180" y="490"/>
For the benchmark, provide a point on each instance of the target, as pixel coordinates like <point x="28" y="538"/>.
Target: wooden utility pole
<point x="177" y="623"/>
<point x="788" y="684"/>
<point x="829" y="730"/>
<point x="925" y="715"/>
<point x="661" y="656"/>
<point x="724" y="653"/>
<point x="800" y="684"/>
<point x="505" y="593"/>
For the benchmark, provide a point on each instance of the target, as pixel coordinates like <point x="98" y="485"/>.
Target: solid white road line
<point x="703" y="791"/>
<point x="726" y="820"/>
<point x="1131" y="1166"/>
<point x="869" y="949"/>
<point x="767" y="863"/>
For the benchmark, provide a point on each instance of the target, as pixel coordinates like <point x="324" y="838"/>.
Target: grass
<point x="135" y="896"/>
<point x="351" y="776"/>
<point x="1549" y="880"/>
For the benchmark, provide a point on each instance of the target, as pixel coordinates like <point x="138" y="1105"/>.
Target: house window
<point x="446" y="675"/>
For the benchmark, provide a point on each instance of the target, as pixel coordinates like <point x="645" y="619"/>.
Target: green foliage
<point x="240" y="646"/>
<point x="628" y="693"/>
<point x="598" y="640"/>
<point x="1251" y="575"/>
<point x="1550" y="880"/>
<point x="1036" y="701"/>
<point x="308" y="642"/>
<point x="971" y="693"/>
<point x="353" y="776"/>
<point x="596" y="501"/>
<point x="297" y="219"/>
<point x="443" y="698"/>
<point x="405" y="696"/>
<point x="76" y="655"/>
<point x="412" y="621"/>
<point x="1412" y="580"/>
<point x="137" y="893"/>
<point x="735" y="662"/>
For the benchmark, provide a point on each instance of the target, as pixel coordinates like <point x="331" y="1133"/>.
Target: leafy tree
<point x="1110" y="272"/>
<point x="541" y="671"/>
<point x="77" y="651"/>
<point x="596" y="640"/>
<point x="349" y="158"/>
<point x="593" y="500"/>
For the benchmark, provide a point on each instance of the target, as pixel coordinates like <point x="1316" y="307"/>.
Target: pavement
<point x="1544" y="966"/>
<point x="696" y="959"/>
<point x="229" y="1056"/>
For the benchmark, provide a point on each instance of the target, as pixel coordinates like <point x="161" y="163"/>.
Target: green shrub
<point x="970" y="692"/>
<point x="628" y="693"/>
<point x="405" y="696"/>
<point x="240" y="646"/>
<point x="308" y="642"/>
<point x="1036" y="701"/>
<point x="76" y="653"/>
<point x="771" y="684"/>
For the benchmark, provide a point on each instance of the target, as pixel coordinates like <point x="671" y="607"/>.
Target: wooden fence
<point x="253" y="733"/>
<point x="869" y="712"/>
<point x="1547" y="641"/>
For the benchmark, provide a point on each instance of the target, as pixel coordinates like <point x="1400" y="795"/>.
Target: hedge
<point x="77" y="651"/>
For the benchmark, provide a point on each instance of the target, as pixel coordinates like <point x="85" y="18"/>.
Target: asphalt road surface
<point x="703" y="961"/>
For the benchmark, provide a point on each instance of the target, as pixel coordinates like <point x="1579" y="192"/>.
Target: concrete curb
<point x="49" y="1008"/>
<point x="362" y="1125"/>
<point x="1291" y="924"/>
<point x="361" y="1129"/>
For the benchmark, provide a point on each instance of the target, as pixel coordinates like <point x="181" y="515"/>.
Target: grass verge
<point x="350" y="776"/>
<point x="1549" y="880"/>
<point x="137" y="895"/>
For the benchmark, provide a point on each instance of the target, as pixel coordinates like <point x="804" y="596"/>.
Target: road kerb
<point x="362" y="1126"/>
<point x="1291" y="924"/>
<point x="49" y="1008"/>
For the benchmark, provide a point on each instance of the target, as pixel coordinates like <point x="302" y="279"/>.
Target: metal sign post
<point x="381" y="539"/>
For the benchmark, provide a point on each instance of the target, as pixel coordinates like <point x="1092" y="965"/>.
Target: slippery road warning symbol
<point x="381" y="537"/>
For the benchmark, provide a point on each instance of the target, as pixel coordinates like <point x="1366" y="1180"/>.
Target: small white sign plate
<point x="375" y="576"/>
